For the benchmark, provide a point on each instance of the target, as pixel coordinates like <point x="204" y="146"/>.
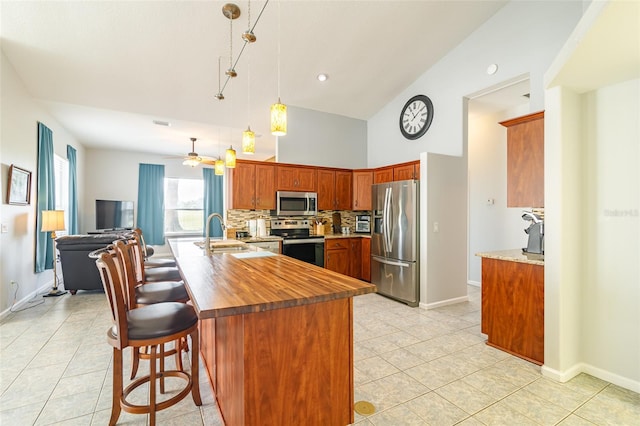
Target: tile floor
<point x="417" y="367"/>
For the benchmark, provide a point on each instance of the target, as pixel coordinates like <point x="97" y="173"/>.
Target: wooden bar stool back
<point x="152" y="326"/>
<point x="158" y="273"/>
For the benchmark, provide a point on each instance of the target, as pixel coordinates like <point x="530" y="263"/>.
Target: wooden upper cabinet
<point x="265" y="187"/>
<point x="344" y="186"/>
<point x="407" y="171"/>
<point x="382" y="175"/>
<point x="289" y="178"/>
<point x="253" y="186"/>
<point x="362" y="181"/>
<point x="326" y="189"/>
<point x="525" y="160"/>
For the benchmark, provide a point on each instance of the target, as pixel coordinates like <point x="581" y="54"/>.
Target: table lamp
<point x="52" y="221"/>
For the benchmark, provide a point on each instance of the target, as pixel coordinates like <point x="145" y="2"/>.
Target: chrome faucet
<point x="207" y="240"/>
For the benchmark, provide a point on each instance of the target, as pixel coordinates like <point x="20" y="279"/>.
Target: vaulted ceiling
<point x="106" y="69"/>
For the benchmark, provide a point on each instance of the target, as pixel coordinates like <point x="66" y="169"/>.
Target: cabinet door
<point x="295" y="178"/>
<point x="404" y="172"/>
<point x="383" y="175"/>
<point x="344" y="185"/>
<point x="525" y="161"/>
<point x="355" y="255"/>
<point x="285" y="178"/>
<point x="306" y="180"/>
<point x="337" y="260"/>
<point x="265" y="192"/>
<point x="365" y="273"/>
<point x="243" y="187"/>
<point x="326" y="189"/>
<point x="362" y="182"/>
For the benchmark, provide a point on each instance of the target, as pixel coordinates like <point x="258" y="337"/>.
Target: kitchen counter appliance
<point x="291" y="203"/>
<point x="394" y="240"/>
<point x="363" y="224"/>
<point x="536" y="233"/>
<point x="297" y="241"/>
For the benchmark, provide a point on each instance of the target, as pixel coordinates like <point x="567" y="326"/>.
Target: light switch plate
<point x="4" y="228"/>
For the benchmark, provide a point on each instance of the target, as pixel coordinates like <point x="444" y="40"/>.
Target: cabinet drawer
<point x="336" y="243"/>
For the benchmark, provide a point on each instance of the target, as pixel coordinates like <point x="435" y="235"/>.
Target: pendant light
<point x="248" y="36"/>
<point x="230" y="158"/>
<point x="231" y="11"/>
<point x="278" y="110"/>
<point x="248" y="137"/>
<point x="218" y="167"/>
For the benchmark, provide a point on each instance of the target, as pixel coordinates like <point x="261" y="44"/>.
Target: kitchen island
<point x="276" y="335"/>
<point x="513" y="302"/>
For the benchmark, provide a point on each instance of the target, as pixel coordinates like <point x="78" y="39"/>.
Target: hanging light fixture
<point x="218" y="167"/>
<point x="278" y="110"/>
<point x="248" y="36"/>
<point x="231" y="11"/>
<point x="248" y="137"/>
<point x="219" y="95"/>
<point x="230" y="158"/>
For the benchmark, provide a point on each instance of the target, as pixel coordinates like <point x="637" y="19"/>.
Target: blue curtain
<point x="213" y="201"/>
<point x="72" y="227"/>
<point x="151" y="202"/>
<point x="46" y="197"/>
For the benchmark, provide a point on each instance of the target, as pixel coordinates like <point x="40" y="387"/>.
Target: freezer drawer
<point x="396" y="279"/>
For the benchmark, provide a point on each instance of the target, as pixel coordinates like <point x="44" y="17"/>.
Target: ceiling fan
<point x="192" y="159"/>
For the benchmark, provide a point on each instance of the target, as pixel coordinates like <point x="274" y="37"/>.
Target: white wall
<point x="114" y="176"/>
<point x="491" y="226"/>
<point x="522" y="38"/>
<point x="592" y="200"/>
<point x="19" y="146"/>
<point x="321" y="139"/>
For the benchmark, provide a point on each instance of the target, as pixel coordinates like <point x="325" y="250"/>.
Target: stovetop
<point x="292" y="229"/>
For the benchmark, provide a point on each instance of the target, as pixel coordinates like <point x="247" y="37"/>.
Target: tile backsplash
<point x="237" y="218"/>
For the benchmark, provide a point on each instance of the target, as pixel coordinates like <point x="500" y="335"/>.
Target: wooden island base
<point x="283" y="366"/>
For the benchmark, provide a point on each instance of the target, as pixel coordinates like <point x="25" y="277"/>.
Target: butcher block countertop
<point x="224" y="285"/>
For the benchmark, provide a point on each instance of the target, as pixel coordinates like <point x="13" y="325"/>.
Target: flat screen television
<point x="113" y="215"/>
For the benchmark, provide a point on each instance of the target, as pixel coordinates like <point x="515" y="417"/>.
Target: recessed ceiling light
<point x="161" y="123"/>
<point x="322" y="77"/>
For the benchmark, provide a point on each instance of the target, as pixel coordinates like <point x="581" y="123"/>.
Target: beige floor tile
<point x="376" y="368"/>
<point x="465" y="396"/>
<point x="537" y="409"/>
<point x="89" y="382"/>
<point x="573" y="420"/>
<point x="21" y="415"/>
<point x="436" y="410"/>
<point x="559" y="393"/>
<point x="398" y="415"/>
<point x="390" y="391"/>
<point x="402" y="359"/>
<point x="500" y="414"/>
<point x="67" y="407"/>
<point x="441" y="371"/>
<point x="613" y="406"/>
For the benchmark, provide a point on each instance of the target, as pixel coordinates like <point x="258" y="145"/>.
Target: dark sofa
<point x="78" y="270"/>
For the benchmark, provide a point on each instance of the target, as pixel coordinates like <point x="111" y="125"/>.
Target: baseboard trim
<point x="474" y="283"/>
<point x="616" y="379"/>
<point x="444" y="302"/>
<point x="22" y="302"/>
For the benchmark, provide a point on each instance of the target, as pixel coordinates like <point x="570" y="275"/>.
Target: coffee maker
<point x="535" y="231"/>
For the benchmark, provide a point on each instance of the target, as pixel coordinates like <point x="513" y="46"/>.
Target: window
<point x="183" y="206"/>
<point x="61" y="180"/>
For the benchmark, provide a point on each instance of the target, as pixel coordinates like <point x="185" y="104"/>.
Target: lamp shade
<point x="219" y="167"/>
<point x="248" y="141"/>
<point x="52" y="220"/>
<point x="191" y="162"/>
<point x="230" y="159"/>
<point x="278" y="119"/>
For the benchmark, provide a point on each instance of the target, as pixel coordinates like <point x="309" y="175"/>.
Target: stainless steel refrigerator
<point x="394" y="240"/>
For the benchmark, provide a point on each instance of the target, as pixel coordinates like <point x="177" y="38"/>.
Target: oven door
<point x="308" y="250"/>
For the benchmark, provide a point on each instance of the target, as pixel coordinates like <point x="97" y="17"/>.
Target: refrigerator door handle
<point x="387" y="220"/>
<point x="391" y="262"/>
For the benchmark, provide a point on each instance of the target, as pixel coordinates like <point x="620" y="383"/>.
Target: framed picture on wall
<point x="18" y="186"/>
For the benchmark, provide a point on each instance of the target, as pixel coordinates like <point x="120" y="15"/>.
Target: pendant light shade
<point x="248" y="141"/>
<point x="219" y="167"/>
<point x="230" y="159"/>
<point x="278" y="119"/>
<point x="191" y="162"/>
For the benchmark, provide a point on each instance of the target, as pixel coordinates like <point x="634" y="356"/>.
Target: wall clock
<point x="416" y="117"/>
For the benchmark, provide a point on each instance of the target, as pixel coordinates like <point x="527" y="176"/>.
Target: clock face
<point x="416" y="117"/>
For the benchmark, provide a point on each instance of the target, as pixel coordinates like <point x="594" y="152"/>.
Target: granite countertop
<point x="514" y="255"/>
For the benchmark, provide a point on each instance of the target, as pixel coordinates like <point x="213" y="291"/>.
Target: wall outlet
<point x="4" y="228"/>
<point x="491" y="201"/>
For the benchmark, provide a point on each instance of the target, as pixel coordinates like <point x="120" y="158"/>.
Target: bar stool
<point x="155" y="273"/>
<point x="138" y="295"/>
<point x="148" y="262"/>
<point x="153" y="326"/>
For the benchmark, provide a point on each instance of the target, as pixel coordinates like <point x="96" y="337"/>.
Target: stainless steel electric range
<point x="297" y="241"/>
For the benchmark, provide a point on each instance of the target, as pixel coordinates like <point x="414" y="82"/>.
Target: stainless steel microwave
<point x="290" y="203"/>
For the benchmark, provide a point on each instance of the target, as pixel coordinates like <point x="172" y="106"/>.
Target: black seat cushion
<point x="160" y="320"/>
<point x="162" y="274"/>
<point x="159" y="262"/>
<point x="164" y="291"/>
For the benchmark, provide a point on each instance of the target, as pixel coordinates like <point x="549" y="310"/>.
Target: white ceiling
<point x="107" y="69"/>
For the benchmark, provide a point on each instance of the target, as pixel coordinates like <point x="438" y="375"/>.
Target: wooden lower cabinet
<point x="336" y="255"/>
<point x="365" y="273"/>
<point x="513" y="307"/>
<point x="355" y="261"/>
